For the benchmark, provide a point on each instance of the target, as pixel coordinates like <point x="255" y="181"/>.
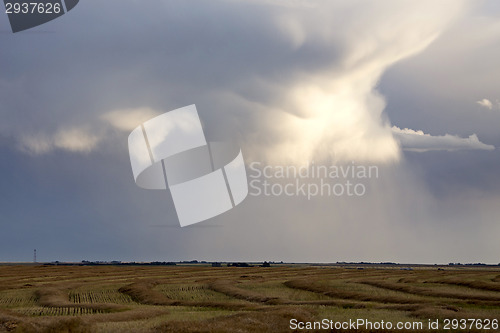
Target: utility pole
<point x="34" y="256"/>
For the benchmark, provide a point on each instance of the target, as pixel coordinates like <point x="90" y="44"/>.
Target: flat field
<point x="38" y="298"/>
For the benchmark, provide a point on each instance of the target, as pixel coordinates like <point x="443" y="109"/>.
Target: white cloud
<point x="82" y="139"/>
<point x="35" y="144"/>
<point x="78" y="140"/>
<point x="128" y="119"/>
<point x="485" y="103"/>
<point x="421" y="142"/>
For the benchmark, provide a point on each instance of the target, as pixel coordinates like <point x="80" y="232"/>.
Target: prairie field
<point x="199" y="298"/>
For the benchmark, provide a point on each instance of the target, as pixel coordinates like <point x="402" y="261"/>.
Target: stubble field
<point x="230" y="299"/>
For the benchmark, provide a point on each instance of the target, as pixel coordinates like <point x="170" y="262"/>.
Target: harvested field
<point x="198" y="298"/>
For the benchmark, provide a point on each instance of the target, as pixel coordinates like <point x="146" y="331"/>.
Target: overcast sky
<point x="410" y="87"/>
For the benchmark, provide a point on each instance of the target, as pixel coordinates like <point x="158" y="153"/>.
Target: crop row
<point x="17" y="298"/>
<point x="195" y="292"/>
<point x="99" y="296"/>
<point x="56" y="311"/>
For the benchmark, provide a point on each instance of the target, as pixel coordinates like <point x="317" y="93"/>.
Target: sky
<point x="408" y="87"/>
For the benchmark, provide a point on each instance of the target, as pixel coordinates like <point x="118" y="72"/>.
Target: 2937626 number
<point x="470" y="324"/>
<point x="32" y="8"/>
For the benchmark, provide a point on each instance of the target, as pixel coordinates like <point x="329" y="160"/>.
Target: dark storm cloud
<point x="124" y="54"/>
